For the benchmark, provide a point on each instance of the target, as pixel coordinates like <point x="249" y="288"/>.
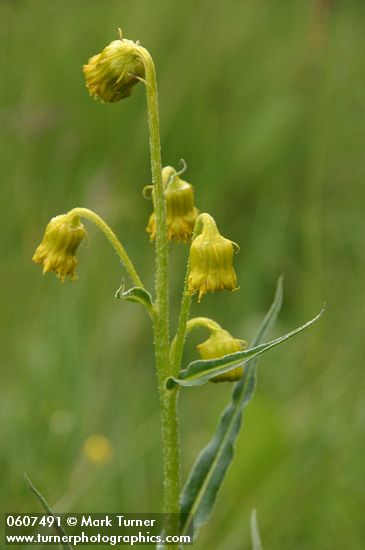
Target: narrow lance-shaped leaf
<point x="200" y="492"/>
<point x="58" y="528"/>
<point x="199" y="372"/>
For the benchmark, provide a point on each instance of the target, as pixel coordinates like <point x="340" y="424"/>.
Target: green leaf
<point x="255" y="533"/>
<point x="200" y="491"/>
<point x="135" y="294"/>
<point x="199" y="372"/>
<point x="58" y="528"/>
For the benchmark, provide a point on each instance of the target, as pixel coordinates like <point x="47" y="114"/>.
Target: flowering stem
<point x="168" y="399"/>
<point x="112" y="238"/>
<point x="177" y="346"/>
<point x="205" y="322"/>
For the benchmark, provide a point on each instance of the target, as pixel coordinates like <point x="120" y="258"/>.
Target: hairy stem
<point x="112" y="238"/>
<point x="204" y="322"/>
<point x="177" y="346"/>
<point x="168" y="399"/>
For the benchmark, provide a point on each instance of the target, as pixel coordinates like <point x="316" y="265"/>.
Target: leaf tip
<point x="26" y="477"/>
<point x="255" y="533"/>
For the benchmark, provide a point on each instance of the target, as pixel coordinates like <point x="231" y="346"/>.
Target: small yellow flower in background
<point x="211" y="260"/>
<point x="181" y="212"/>
<point x="111" y="74"/>
<point x="97" y="449"/>
<point x="220" y="343"/>
<point x="57" y="250"/>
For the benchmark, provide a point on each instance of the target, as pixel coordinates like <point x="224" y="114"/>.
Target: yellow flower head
<point x="111" y="74"/>
<point x="211" y="260"/>
<point x="221" y="343"/>
<point x="97" y="449"/>
<point x="57" y="250"/>
<point x="181" y="212"/>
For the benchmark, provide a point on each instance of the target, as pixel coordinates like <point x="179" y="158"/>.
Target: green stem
<point x="112" y="238"/>
<point x="168" y="399"/>
<point x="204" y="322"/>
<point x="177" y="346"/>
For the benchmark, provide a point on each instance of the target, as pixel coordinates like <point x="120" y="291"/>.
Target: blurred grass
<point x="265" y="101"/>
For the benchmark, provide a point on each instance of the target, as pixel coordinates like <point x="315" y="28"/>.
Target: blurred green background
<point x="265" y="102"/>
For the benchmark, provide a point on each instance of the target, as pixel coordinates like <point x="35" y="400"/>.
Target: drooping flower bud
<point x="211" y="260"/>
<point x="57" y="250"/>
<point x="181" y="212"/>
<point x="111" y="74"/>
<point x="218" y="344"/>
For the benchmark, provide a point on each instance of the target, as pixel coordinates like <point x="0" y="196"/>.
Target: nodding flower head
<point x="111" y="74"/>
<point x="57" y="250"/>
<point x="221" y="343"/>
<point x="211" y="260"/>
<point x="181" y="212"/>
